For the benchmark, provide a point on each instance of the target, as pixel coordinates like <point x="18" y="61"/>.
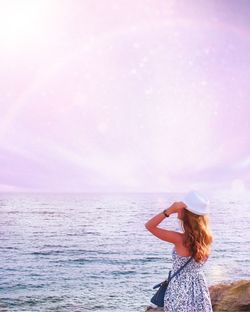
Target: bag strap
<point x="169" y="273"/>
<point x="180" y="269"/>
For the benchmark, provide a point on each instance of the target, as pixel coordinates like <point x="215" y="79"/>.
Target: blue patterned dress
<point x="187" y="291"/>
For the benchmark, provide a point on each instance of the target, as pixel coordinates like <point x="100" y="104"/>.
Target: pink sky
<point x="124" y="95"/>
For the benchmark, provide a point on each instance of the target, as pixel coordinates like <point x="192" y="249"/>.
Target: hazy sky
<point x="129" y="95"/>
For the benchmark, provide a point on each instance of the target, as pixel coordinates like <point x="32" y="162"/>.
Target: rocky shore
<point x="233" y="297"/>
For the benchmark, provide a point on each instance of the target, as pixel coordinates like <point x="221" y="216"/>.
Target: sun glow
<point x="133" y="102"/>
<point x="21" y="22"/>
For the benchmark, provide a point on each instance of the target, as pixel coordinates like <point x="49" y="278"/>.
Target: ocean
<point x="91" y="251"/>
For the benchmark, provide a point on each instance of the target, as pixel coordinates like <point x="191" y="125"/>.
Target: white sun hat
<point x="196" y="202"/>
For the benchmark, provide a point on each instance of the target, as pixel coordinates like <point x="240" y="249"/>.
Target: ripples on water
<point x="91" y="252"/>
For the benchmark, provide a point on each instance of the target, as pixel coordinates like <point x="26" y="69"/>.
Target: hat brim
<point x="196" y="212"/>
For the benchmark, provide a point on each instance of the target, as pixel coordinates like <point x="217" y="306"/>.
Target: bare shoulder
<point x="181" y="249"/>
<point x="180" y="238"/>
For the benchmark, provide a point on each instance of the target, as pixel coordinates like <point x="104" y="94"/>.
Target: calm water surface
<point x="91" y="252"/>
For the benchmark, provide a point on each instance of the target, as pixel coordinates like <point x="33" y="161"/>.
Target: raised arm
<point x="166" y="235"/>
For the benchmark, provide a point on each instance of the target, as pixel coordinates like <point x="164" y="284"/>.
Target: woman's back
<point x="179" y="260"/>
<point x="188" y="290"/>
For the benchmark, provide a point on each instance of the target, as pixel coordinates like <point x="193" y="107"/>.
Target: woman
<point x="187" y="291"/>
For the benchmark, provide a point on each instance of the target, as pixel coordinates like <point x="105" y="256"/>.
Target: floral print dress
<point x="187" y="291"/>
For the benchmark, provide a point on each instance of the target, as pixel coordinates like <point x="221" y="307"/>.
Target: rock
<point x="151" y="309"/>
<point x="233" y="297"/>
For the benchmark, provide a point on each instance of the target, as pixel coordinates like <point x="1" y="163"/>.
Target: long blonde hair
<point x="197" y="235"/>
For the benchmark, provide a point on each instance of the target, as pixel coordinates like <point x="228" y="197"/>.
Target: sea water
<point x="92" y="252"/>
